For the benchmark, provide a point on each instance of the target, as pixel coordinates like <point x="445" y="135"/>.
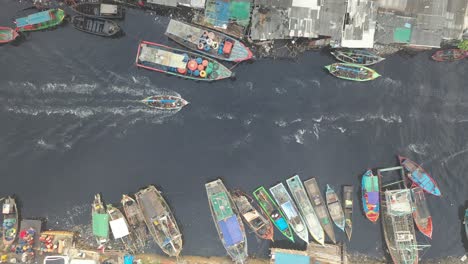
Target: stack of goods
<point x="210" y="41"/>
<point x="26" y="242"/>
<point x="47" y="243"/>
<point x="200" y="67"/>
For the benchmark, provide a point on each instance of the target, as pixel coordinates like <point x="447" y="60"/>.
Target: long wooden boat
<point x="100" y="221"/>
<point x="10" y="221"/>
<point x="160" y="220"/>
<point x="348" y="194"/>
<point x="165" y="102"/>
<point x="227" y="221"/>
<point x="160" y="58"/>
<point x="357" y="56"/>
<point x="307" y="211"/>
<point x="209" y="42"/>
<point x="334" y="207"/>
<point x="419" y="176"/>
<point x="41" y="20"/>
<point x="370" y="195"/>
<point x="320" y="208"/>
<point x="120" y="229"/>
<point x="135" y="219"/>
<point x="465" y="222"/>
<point x="256" y="220"/>
<point x="95" y="26"/>
<point x="7" y="34"/>
<point x="99" y="10"/>
<point x="274" y="213"/>
<point x="449" y="55"/>
<point x="290" y="210"/>
<point x="352" y="72"/>
<point x="421" y="214"/>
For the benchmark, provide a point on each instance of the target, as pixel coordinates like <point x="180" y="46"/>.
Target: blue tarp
<point x="281" y="224"/>
<point x="128" y="259"/>
<point x="231" y="230"/>
<point x="285" y="258"/>
<point x="33" y="19"/>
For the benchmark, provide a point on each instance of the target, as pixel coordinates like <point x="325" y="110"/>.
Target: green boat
<point x="272" y="210"/>
<point x="39" y="21"/>
<point x="352" y="72"/>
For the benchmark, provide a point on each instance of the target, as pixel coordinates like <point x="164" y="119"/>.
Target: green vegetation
<point x="463" y="45"/>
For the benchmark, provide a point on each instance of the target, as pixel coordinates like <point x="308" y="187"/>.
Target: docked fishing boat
<point x="320" y="209"/>
<point x="290" y="210"/>
<point x="209" y="42"/>
<point x="160" y="221"/>
<point x="227" y="221"/>
<point x="120" y="229"/>
<point x="348" y="193"/>
<point x="10" y="221"/>
<point x="135" y="219"/>
<point x="465" y="222"/>
<point x="258" y="222"/>
<point x="165" y="102"/>
<point x="7" y="34"/>
<point x="334" y="207"/>
<point x="100" y="221"/>
<point x="357" y="56"/>
<point x="449" y="55"/>
<point x="419" y="176"/>
<point x="274" y="213"/>
<point x="352" y="72"/>
<point x="305" y="207"/>
<point x="421" y="214"/>
<point x="370" y="195"/>
<point x="160" y="58"/>
<point x="99" y="10"/>
<point x="95" y="26"/>
<point x="41" y="20"/>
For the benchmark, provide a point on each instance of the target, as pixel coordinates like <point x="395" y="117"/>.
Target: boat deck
<point x="221" y="206"/>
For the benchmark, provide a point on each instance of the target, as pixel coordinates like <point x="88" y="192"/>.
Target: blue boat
<point x="419" y="176"/>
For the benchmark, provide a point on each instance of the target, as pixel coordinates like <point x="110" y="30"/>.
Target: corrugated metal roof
<point x="287" y="258"/>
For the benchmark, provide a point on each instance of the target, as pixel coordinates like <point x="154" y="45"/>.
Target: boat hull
<point x="135" y="219"/>
<point x="370" y="196"/>
<point x="100" y="220"/>
<point x="352" y="72"/>
<point x="466" y="223"/>
<point x="7" y="35"/>
<point x="165" y="102"/>
<point x="419" y="176"/>
<point x="421" y="215"/>
<point x="348" y="193"/>
<point x="96" y="26"/>
<point x="449" y="55"/>
<point x="53" y="17"/>
<point x="127" y="240"/>
<point x="360" y="57"/>
<point x="334" y="208"/>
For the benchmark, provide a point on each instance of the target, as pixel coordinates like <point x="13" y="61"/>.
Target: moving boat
<point x="258" y="222"/>
<point x="41" y="20"/>
<point x="99" y="10"/>
<point x="165" y="102"/>
<point x="419" y="176"/>
<point x="120" y="229"/>
<point x="449" y="55"/>
<point x="135" y="219"/>
<point x="300" y="196"/>
<point x="422" y="216"/>
<point x="100" y="221"/>
<point x="370" y="195"/>
<point x="348" y="192"/>
<point x="274" y="213"/>
<point x="208" y="42"/>
<point x="227" y="221"/>
<point x="10" y="221"/>
<point x="290" y="210"/>
<point x="160" y="58"/>
<point x="334" y="207"/>
<point x="160" y="221"/>
<point x="7" y="34"/>
<point x="96" y="26"/>
<point x="357" y="56"/>
<point x="319" y="206"/>
<point x="352" y="72"/>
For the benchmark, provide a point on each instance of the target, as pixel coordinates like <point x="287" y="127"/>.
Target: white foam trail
<point x="299" y="136"/>
<point x="418" y="148"/>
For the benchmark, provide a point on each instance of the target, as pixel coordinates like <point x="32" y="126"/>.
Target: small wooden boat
<point x="352" y="72"/>
<point x="348" y="194"/>
<point x="120" y="229"/>
<point x="160" y="58"/>
<point x="318" y="204"/>
<point x="370" y="195"/>
<point x="160" y="220"/>
<point x="10" y="221"/>
<point x="357" y="56"/>
<point x="334" y="207"/>
<point x="100" y="221"/>
<point x="99" y="10"/>
<point x="135" y="219"/>
<point x="165" y="102"/>
<point x="227" y="221"/>
<point x="274" y="213"/>
<point x="290" y="210"/>
<point x="449" y="55"/>
<point x="256" y="220"/>
<point x="421" y="214"/>
<point x="39" y="21"/>
<point x="419" y="176"/>
<point x="209" y="42"/>
<point x="96" y="26"/>
<point x="303" y="203"/>
<point x="7" y="34"/>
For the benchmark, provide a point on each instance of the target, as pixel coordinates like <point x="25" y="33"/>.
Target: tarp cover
<point x="289" y="210"/>
<point x="373" y="197"/>
<point x="119" y="228"/>
<point x="33" y="19"/>
<point x="108" y="9"/>
<point x="128" y="259"/>
<point x="100" y="225"/>
<point x="281" y="223"/>
<point x="286" y="258"/>
<point x="231" y="231"/>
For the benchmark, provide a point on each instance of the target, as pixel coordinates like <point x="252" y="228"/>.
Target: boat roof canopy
<point x="286" y="258"/>
<point x="231" y="231"/>
<point x="100" y="225"/>
<point x="34" y="19"/>
<point x="119" y="228"/>
<point x="162" y="57"/>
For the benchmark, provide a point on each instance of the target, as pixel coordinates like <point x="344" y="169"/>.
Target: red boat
<point x="421" y="215"/>
<point x="7" y="34"/>
<point x="449" y="55"/>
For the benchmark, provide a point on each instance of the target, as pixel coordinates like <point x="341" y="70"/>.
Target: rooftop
<point x="331" y="18"/>
<point x="359" y="24"/>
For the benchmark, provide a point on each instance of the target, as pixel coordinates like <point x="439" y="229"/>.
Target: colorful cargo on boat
<point x="370" y="195"/>
<point x="41" y="20"/>
<point x="419" y="176"/>
<point x="352" y="72"/>
<point x="7" y="34"/>
<point x="10" y="221"/>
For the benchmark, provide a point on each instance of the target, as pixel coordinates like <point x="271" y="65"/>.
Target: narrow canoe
<point x="274" y="213"/>
<point x="465" y="221"/>
<point x="95" y="26"/>
<point x="10" y="221"/>
<point x="334" y="207"/>
<point x="419" y="176"/>
<point x="120" y="229"/>
<point x="41" y="20"/>
<point x="352" y="72"/>
<point x="7" y="34"/>
<point x="135" y="219"/>
<point x="165" y="102"/>
<point x="449" y="55"/>
<point x="99" y="10"/>
<point x="360" y="57"/>
<point x="370" y="195"/>
<point x="348" y="194"/>
<point x="100" y="221"/>
<point x="421" y="214"/>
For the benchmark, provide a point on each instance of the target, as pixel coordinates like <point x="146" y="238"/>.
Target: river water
<point x="71" y="126"/>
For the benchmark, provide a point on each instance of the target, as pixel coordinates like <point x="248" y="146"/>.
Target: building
<point x="359" y="24"/>
<point x="175" y="3"/>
